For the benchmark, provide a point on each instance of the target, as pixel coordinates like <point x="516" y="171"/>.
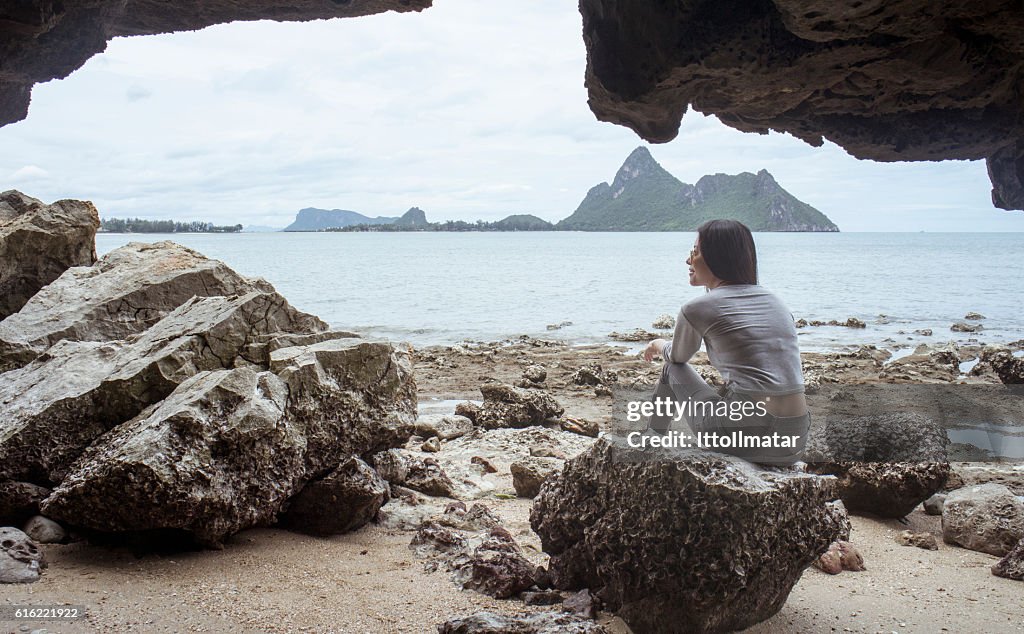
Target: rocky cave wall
<point x="889" y="80"/>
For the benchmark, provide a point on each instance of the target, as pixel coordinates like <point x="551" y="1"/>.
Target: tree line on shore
<point x="140" y="225"/>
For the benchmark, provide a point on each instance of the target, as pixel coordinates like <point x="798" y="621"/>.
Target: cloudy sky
<point x="467" y="110"/>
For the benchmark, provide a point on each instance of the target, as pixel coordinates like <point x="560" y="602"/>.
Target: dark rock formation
<point x="593" y="374"/>
<point x="124" y="293"/>
<point x="886" y="464"/>
<point x="1012" y="565"/>
<point x="900" y="81"/>
<point x="348" y="498"/>
<point x="987" y="518"/>
<point x="39" y="242"/>
<point x="543" y="623"/>
<point x="683" y="540"/>
<point x="59" y="404"/>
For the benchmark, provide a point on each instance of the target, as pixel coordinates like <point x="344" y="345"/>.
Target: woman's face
<point x="700" y="274"/>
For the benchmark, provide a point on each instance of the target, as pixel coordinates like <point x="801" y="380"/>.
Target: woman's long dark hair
<point x="728" y="249"/>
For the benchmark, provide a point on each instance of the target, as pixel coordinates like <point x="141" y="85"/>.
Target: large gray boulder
<point x="988" y="518"/>
<point x="887" y="464"/>
<point x="683" y="540"/>
<point x="124" y="293"/>
<point x="38" y="242"/>
<point x="227" y="449"/>
<point x="59" y="404"/>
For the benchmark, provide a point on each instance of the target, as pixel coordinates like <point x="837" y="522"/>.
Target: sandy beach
<point x="273" y="580"/>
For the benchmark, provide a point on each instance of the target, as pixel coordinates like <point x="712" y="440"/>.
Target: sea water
<point x="440" y="288"/>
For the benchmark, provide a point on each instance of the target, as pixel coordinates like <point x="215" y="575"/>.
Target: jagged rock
<point x="19" y="501"/>
<point x="683" y="540"/>
<point x="347" y="499"/>
<point x="593" y="375"/>
<point x="580" y="426"/>
<point x="964" y="327"/>
<point x="1012" y="565"/>
<point x="933" y="505"/>
<point x="124" y="293"/>
<point x="392" y="465"/>
<point x="886" y="464"/>
<point x="498" y="568"/>
<point x="432" y="540"/>
<point x="542" y="623"/>
<point x="468" y="410"/>
<point x="39" y="242"/>
<point x="987" y="518"/>
<point x="21" y="561"/>
<point x="926" y="365"/>
<point x="923" y="540"/>
<point x="535" y="374"/>
<point x="582" y="603"/>
<point x="484" y="463"/>
<point x="638" y="334"/>
<point x="43" y="530"/>
<point x="427" y="476"/>
<point x="477" y="518"/>
<point x="974" y="316"/>
<point x="841" y="555"/>
<point x="528" y="475"/>
<point x="57" y="405"/>
<point x="228" y="448"/>
<point x="1000" y="361"/>
<point x="443" y="426"/>
<point x="509" y="406"/>
<point x="546" y="451"/>
<point x="664" y="322"/>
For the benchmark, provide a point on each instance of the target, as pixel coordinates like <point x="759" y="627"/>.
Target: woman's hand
<point x="653" y="349"/>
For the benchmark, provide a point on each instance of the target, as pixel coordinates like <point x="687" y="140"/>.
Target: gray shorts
<point x="703" y="407"/>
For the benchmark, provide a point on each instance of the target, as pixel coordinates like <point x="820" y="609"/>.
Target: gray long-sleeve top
<point x="750" y="337"/>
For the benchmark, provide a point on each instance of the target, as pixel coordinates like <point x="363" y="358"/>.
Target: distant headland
<point x="643" y="196"/>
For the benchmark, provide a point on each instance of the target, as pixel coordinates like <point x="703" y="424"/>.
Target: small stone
<point x="43" y="530"/>
<point x="1012" y="565"/>
<point x="528" y="475"/>
<point x="543" y="597"/>
<point x="485" y="463"/>
<point x="544" y="451"/>
<point x="923" y="540"/>
<point x="535" y="374"/>
<point x="444" y="427"/>
<point x="582" y="603"/>
<point x="964" y="327"/>
<point x="974" y="316"/>
<point x="933" y="505"/>
<point x="432" y="445"/>
<point x="664" y="322"/>
<point x="21" y="561"/>
<point x="580" y="426"/>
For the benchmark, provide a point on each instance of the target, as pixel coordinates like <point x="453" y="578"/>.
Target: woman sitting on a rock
<point x="751" y="340"/>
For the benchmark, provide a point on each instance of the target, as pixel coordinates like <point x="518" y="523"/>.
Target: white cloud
<point x="468" y="110"/>
<point x="28" y="174"/>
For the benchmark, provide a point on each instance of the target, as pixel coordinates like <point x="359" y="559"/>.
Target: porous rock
<point x="60" y="403"/>
<point x="530" y="473"/>
<point x="124" y="293"/>
<point x="683" y="540"/>
<point x="1012" y="565"/>
<point x="21" y="561"/>
<point x="987" y="518"/>
<point x="887" y="464"/>
<point x="443" y="426"/>
<point x="228" y="448"/>
<point x="535" y="374"/>
<point x="664" y="322"/>
<point x="593" y="374"/>
<point x="38" y="242"/>
<point x="497" y="567"/>
<point x="541" y="623"/>
<point x="509" y="406"/>
<point x="347" y="499"/>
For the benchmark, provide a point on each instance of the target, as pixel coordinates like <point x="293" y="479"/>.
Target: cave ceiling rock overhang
<point x="888" y="80"/>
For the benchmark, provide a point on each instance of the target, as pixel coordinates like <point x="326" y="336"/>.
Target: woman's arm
<point x="685" y="343"/>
